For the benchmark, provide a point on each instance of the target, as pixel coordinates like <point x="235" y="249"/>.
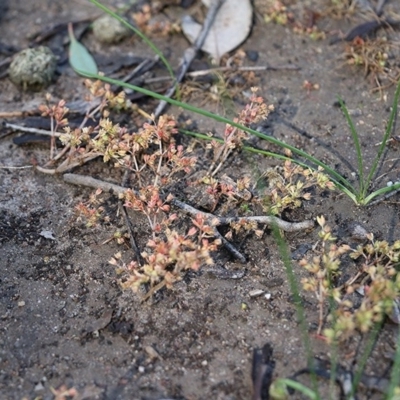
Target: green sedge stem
<point x="357" y="145"/>
<point x="294" y="289"/>
<point x="300" y="388"/>
<point x="218" y="118"/>
<point x="275" y="155"/>
<point x="394" y="376"/>
<point x="388" y="131"/>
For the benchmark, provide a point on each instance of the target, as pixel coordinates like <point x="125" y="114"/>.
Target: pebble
<point x="33" y="69"/>
<point x="358" y="232"/>
<point x="252" y="55"/>
<point x="107" y="29"/>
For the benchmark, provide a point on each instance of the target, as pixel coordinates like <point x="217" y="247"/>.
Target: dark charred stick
<point x="191" y="53"/>
<point x="129" y="226"/>
<point x="366" y="29"/>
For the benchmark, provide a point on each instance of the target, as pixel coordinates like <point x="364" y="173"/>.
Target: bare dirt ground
<point x="64" y="319"/>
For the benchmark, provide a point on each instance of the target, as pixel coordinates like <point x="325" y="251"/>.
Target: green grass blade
<point x="388" y="131"/>
<point x="344" y="182"/>
<point x="250" y="149"/>
<point x="373" y="335"/>
<point x="380" y="192"/>
<point x="395" y="374"/>
<point x="284" y="252"/>
<point x="140" y="34"/>
<point x="299" y="387"/>
<point x="357" y="146"/>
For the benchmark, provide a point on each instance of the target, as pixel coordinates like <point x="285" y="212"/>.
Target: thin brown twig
<point x="31" y="130"/>
<point x="202" y="72"/>
<point x="11" y="167"/>
<point x="143" y="67"/>
<point x="89" y="114"/>
<point x="16" y="114"/>
<point x="67" y="164"/>
<point x="263" y="219"/>
<point x="212" y="219"/>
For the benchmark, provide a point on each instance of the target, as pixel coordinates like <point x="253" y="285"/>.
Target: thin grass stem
<point x="285" y="257"/>
<point x="300" y="388"/>
<point x="344" y="182"/>
<point x="250" y="149"/>
<point x="357" y="145"/>
<point x="382" y="146"/>
<point x="367" y="352"/>
<point x="395" y="374"/>
<point x="139" y="33"/>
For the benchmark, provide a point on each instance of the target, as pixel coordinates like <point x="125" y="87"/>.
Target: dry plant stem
<point x="84" y="180"/>
<point x="194" y="74"/>
<point x="143" y="67"/>
<point x="270" y="220"/>
<point x="128" y="223"/>
<point x="7" y="61"/>
<point x="153" y="290"/>
<point x="52" y="138"/>
<point x="89" y="114"/>
<point x="385" y="197"/>
<point x="379" y="7"/>
<point x="191" y="53"/>
<point x="16" y="114"/>
<point x="31" y="130"/>
<point x="67" y="165"/>
<point x="211" y="218"/>
<point x="203" y="72"/>
<point x="23" y="167"/>
<point x="230" y="247"/>
<point x="286" y="226"/>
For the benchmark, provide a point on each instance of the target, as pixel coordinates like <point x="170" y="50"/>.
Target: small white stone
<point x="256" y="293"/>
<point x="204" y="363"/>
<point x="107" y="29"/>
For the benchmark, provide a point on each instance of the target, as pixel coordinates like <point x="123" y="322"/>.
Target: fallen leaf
<point x="231" y="27"/>
<point x="79" y="57"/>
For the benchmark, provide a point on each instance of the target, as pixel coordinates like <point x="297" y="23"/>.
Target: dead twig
<point x="58" y="27"/>
<point x="128" y="224"/>
<point x="191" y="53"/>
<point x="384" y="198"/>
<point x="142" y="68"/>
<point x="212" y="219"/>
<point x="16" y="114"/>
<point x="11" y="167"/>
<point x="267" y="220"/>
<point x="67" y="164"/>
<point x="195" y="74"/>
<point x="31" y="130"/>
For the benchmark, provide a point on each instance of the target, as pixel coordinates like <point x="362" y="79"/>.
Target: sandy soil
<point x="64" y="318"/>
